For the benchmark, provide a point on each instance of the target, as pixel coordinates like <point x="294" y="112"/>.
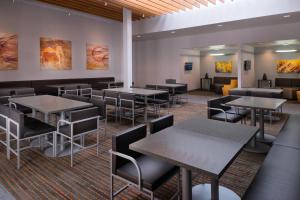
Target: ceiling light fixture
<point x="143" y="15"/>
<point x="138" y="36"/>
<point x="173" y="32"/>
<point x="286" y="50"/>
<point x="220" y="25"/>
<point x="105" y="3"/>
<point x="217" y="54"/>
<point x="286" y="16"/>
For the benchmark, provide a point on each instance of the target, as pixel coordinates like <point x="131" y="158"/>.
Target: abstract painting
<point x="288" y="66"/>
<point x="55" y="54"/>
<point x="223" y="66"/>
<point x="8" y="51"/>
<point x="97" y="56"/>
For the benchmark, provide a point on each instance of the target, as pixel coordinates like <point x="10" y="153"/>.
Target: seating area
<point x="138" y="100"/>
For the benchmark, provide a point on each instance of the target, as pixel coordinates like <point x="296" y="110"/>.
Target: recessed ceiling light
<point x="217" y="54"/>
<point x="138" y="36"/>
<point x="286" y="16"/>
<point x="173" y="32"/>
<point x="220" y="25"/>
<point x="143" y="15"/>
<point x="105" y="3"/>
<point x="286" y="50"/>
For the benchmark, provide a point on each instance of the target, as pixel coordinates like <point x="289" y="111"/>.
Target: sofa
<point x="219" y="82"/>
<point x="289" y="85"/>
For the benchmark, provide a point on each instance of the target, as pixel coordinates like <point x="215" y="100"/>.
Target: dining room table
<point x="201" y="145"/>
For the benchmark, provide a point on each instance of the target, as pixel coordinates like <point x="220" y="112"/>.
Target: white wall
<point x="248" y="77"/>
<point x="32" y="20"/>
<point x="207" y="65"/>
<point x="265" y="62"/>
<point x="156" y="60"/>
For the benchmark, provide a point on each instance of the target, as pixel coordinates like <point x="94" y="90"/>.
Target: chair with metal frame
<point x="101" y="105"/>
<point x="22" y="128"/>
<point x="161" y="123"/>
<point x="4" y="114"/>
<point x="97" y="94"/>
<point x="112" y="104"/>
<point x="139" y="171"/>
<point x="71" y="89"/>
<point x="151" y="87"/>
<point x="79" y="124"/>
<point x="129" y="108"/>
<point x="85" y="90"/>
<point x="171" y="81"/>
<point x="159" y="101"/>
<point x="23" y="92"/>
<point x="5" y="94"/>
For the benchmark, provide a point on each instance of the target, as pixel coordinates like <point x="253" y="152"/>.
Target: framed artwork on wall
<point x="8" y="51"/>
<point x="97" y="57"/>
<point x="55" y="54"/>
<point x="223" y="66"/>
<point x="288" y="66"/>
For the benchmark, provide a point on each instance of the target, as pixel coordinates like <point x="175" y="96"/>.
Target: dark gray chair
<point x="79" y="124"/>
<point x="5" y="94"/>
<point x="23" y="128"/>
<point x="112" y="104"/>
<point x="71" y="89"/>
<point x="23" y="92"/>
<point x="4" y="115"/>
<point x="159" y="101"/>
<point x="101" y="105"/>
<point x="152" y="87"/>
<point x="85" y="90"/>
<point x="97" y="94"/>
<point x="76" y="98"/>
<point x="161" y="123"/>
<point x="139" y="171"/>
<point x="129" y="108"/>
<point x="170" y="81"/>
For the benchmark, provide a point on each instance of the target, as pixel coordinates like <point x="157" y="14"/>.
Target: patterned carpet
<point x="52" y="178"/>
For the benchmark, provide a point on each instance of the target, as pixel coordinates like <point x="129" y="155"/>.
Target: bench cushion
<point x="154" y="172"/>
<point x="279" y="176"/>
<point x="290" y="135"/>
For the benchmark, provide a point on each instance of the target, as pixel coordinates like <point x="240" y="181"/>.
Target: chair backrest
<point x="111" y="98"/>
<point x="153" y="87"/>
<point x="76" y="98"/>
<point x="121" y="142"/>
<point x="4" y="113"/>
<point x="85" y="86"/>
<point x="98" y="93"/>
<point x="68" y="96"/>
<point x="216" y="103"/>
<point x="127" y="100"/>
<point x="164" y="88"/>
<point x="171" y="81"/>
<point x="101" y="104"/>
<point x="161" y="123"/>
<point x="88" y="124"/>
<point x="233" y="83"/>
<point x="71" y="89"/>
<point x="4" y="96"/>
<point x="24" y="92"/>
<point x="19" y="118"/>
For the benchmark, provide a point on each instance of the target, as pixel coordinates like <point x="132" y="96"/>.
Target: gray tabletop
<point x="137" y="91"/>
<point x="257" y="102"/>
<point x="266" y="90"/>
<point x="198" y="144"/>
<point x="49" y="104"/>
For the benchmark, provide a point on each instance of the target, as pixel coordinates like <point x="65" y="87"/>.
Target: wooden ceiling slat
<point x="113" y="9"/>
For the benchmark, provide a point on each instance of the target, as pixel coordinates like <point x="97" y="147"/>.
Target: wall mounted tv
<point x="188" y="66"/>
<point x="247" y="65"/>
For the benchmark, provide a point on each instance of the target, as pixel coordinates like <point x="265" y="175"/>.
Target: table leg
<point x="146" y="112"/>
<point x="46" y="118"/>
<point x="215" y="189"/>
<point x="262" y="137"/>
<point x="253" y="146"/>
<point x="173" y="91"/>
<point x="62" y="117"/>
<point x="186" y="184"/>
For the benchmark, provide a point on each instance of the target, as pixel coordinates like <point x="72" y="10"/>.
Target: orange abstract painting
<point x="97" y="57"/>
<point x="8" y="51"/>
<point x="55" y="54"/>
<point x="288" y="66"/>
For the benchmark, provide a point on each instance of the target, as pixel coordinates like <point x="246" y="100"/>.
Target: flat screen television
<point x="188" y="66"/>
<point x="247" y="65"/>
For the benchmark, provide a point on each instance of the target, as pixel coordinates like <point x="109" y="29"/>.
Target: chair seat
<point x="242" y="112"/>
<point x="233" y="118"/>
<point x="154" y="172"/>
<point x="158" y="101"/>
<point x="34" y="127"/>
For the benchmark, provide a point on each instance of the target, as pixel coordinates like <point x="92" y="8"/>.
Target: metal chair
<point x="101" y="105"/>
<point x="85" y="90"/>
<point x="22" y="128"/>
<point x="5" y="94"/>
<point x="23" y="92"/>
<point x="97" y="94"/>
<point x="139" y="171"/>
<point x="80" y="124"/>
<point x="160" y="100"/>
<point x="171" y="81"/>
<point x="161" y="123"/>
<point x="71" y="89"/>
<point x="129" y="108"/>
<point x="112" y="104"/>
<point x="4" y="114"/>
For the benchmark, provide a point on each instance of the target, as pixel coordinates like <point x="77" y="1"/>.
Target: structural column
<point x="127" y="47"/>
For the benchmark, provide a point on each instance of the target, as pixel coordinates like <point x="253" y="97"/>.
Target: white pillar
<point x="127" y="47"/>
<point x="240" y="67"/>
